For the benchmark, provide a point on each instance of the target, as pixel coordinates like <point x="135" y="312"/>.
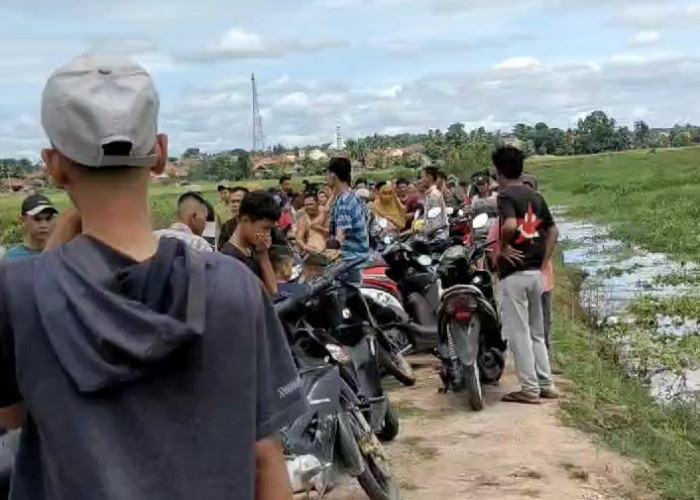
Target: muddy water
<point x="615" y="273"/>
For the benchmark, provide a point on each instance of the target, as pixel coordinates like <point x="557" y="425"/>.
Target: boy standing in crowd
<point x="252" y="238"/>
<point x="348" y="218"/>
<point x="135" y="383"/>
<point x="38" y="222"/>
<point x="528" y="237"/>
<point x="192" y="212"/>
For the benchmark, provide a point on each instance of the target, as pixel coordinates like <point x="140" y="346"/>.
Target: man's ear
<point x="54" y="167"/>
<point x="162" y="154"/>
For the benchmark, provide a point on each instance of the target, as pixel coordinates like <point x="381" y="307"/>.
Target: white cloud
<point x="238" y="44"/>
<point x="660" y="13"/>
<point x="302" y="112"/>
<point x="390" y="92"/>
<point x="294" y="100"/>
<point x="239" y="41"/>
<point x="648" y="37"/>
<point x="518" y="63"/>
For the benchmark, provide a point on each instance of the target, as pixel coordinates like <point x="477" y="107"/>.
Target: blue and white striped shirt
<point x="348" y="215"/>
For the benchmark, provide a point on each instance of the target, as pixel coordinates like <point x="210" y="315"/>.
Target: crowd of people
<point x="159" y="359"/>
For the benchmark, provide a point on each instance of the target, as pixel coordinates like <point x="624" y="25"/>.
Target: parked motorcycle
<point x="470" y="344"/>
<point x="341" y="311"/>
<point x="335" y="436"/>
<point x="403" y="290"/>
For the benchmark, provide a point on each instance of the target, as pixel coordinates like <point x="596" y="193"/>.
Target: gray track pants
<point x="520" y="298"/>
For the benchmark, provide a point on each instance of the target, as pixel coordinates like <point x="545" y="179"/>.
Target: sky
<point x="370" y="66"/>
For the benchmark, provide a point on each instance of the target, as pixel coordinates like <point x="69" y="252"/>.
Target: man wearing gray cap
<point x="133" y="384"/>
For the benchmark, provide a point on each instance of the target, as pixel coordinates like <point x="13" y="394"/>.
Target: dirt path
<point x="446" y="452"/>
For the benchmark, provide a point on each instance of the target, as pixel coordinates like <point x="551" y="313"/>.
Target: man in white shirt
<point x="191" y="221"/>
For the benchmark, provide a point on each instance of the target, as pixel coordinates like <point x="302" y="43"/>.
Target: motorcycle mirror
<point x="434" y="212"/>
<point x="425" y="260"/>
<point x="383" y="223"/>
<point x="480" y="221"/>
<point x="449" y="210"/>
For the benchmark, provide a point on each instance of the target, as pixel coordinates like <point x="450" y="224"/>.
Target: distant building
<point x="317" y="155"/>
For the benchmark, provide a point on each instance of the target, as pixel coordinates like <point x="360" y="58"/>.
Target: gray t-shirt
<point x="139" y="385"/>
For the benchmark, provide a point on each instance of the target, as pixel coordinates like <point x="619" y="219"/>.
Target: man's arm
<point x="509" y="230"/>
<point x="269" y="277"/>
<point x="13" y="417"/>
<point x="322" y="228"/>
<point x="261" y="253"/>
<point x="12" y="414"/>
<point x="552" y="235"/>
<point x="271" y="479"/>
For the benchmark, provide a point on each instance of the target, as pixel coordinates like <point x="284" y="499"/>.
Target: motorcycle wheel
<point x="391" y="424"/>
<point x="376" y="479"/>
<point x="472" y="386"/>
<point x="398" y="338"/>
<point x="397" y="366"/>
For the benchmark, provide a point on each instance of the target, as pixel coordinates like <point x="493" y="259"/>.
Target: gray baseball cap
<point x="96" y="100"/>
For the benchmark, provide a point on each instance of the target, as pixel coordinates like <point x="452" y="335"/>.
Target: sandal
<point x="522" y="398"/>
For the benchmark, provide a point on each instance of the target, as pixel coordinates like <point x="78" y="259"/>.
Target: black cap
<point x="36" y="203"/>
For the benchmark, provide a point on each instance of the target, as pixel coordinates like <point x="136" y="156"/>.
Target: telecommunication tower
<point x="258" y="138"/>
<point x="338" y="138"/>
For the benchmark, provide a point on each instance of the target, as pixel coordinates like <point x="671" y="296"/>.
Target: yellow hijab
<point x="388" y="205"/>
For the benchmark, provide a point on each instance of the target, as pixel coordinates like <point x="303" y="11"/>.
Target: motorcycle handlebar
<point x="313" y="288"/>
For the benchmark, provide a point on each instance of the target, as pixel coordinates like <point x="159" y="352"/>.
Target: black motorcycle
<point x="336" y="435"/>
<point x="471" y="347"/>
<point x="410" y="265"/>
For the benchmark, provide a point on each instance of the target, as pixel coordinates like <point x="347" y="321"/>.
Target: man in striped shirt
<point x="348" y="221"/>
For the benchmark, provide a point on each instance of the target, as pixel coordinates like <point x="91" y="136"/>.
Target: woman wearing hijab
<point x="387" y="206"/>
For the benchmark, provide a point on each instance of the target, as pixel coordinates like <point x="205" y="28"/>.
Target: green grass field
<point x="649" y="198"/>
<point x="163" y="199"/>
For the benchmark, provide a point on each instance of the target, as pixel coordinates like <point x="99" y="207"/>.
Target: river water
<point x="615" y="273"/>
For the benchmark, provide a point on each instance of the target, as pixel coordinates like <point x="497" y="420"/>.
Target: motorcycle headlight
<point x="338" y="353"/>
<point x="477" y="280"/>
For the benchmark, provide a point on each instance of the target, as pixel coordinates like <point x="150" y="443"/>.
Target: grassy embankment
<point x="649" y="199"/>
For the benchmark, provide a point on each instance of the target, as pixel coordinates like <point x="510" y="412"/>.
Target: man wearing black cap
<point x="38" y="221"/>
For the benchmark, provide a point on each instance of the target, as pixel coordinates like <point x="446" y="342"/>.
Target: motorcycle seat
<point x="373" y="263"/>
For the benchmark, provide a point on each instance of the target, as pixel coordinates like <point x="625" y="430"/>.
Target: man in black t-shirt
<point x="528" y="237"/>
<point x="252" y="237"/>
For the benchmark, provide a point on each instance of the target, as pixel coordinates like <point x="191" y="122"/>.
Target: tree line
<point x="456" y="149"/>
